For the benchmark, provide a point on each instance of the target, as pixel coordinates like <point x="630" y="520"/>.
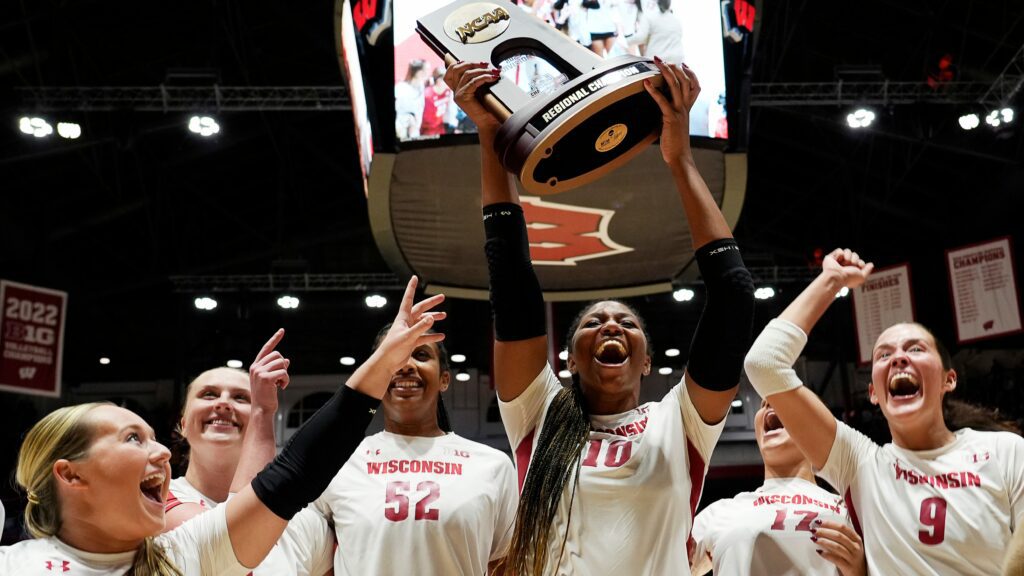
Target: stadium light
<point x="683" y="295"/>
<point x="664" y="370"/>
<point x="205" y="303"/>
<point x="462" y="376"/>
<point x="348" y="361"/>
<point x="37" y="127"/>
<point x="69" y="130"/>
<point x="672" y="352"/>
<point x="860" y="118"/>
<point x="205" y="126"/>
<point x="376" y="301"/>
<point x="458" y="358"/>
<point x="764" y="293"/>
<point x="234" y="363"/>
<point x="288" y="302"/>
<point x="969" y="121"/>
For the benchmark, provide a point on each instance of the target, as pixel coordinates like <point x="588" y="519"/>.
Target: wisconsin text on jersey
<point x="414" y="467"/>
<point x="797" y="499"/>
<point x="962" y="479"/>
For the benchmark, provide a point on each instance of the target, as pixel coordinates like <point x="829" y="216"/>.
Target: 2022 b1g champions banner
<point x="31" y="338"/>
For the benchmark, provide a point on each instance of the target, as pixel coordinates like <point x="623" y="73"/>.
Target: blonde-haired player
<point x="931" y="502"/>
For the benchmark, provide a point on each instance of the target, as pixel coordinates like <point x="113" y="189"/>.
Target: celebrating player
<point x="97" y="480"/>
<point x="446" y="503"/>
<point x="222" y="408"/>
<point x="608" y="486"/>
<point x="788" y="526"/>
<point x="931" y="502"/>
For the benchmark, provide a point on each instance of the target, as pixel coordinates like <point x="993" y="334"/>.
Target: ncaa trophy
<point x="568" y="116"/>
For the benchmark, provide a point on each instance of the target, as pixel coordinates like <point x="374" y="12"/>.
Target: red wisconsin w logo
<point x="563" y="234"/>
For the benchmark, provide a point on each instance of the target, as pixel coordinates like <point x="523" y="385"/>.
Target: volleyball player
<point x="933" y="501"/>
<point x="789" y="526"/>
<point x="97" y="479"/>
<point x="221" y="409"/>
<point x="418" y="498"/>
<point x="608" y="486"/>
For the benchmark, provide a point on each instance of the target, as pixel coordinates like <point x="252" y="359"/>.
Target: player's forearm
<point x="811" y="304"/>
<point x="703" y="215"/>
<point x="258" y="448"/>
<point x="495" y="182"/>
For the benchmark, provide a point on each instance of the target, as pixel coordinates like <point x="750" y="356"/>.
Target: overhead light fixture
<point x="205" y="303"/>
<point x="288" y="302"/>
<point x="860" y="118"/>
<point x="376" y="301"/>
<point x="203" y="125"/>
<point x="234" y="363"/>
<point x="69" y="130"/>
<point x="462" y="376"/>
<point x="348" y="361"/>
<point x="764" y="293"/>
<point x="37" y="127"/>
<point x="672" y="352"/>
<point x="563" y="355"/>
<point x="843" y="292"/>
<point x="104" y="360"/>
<point x="969" y="121"/>
<point x="564" y="374"/>
<point x="997" y="118"/>
<point x="737" y="403"/>
<point x="664" y="370"/>
<point x="458" y="358"/>
<point x="683" y="295"/>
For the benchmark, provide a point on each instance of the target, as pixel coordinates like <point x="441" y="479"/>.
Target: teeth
<point x="222" y="423"/>
<point x="903" y="383"/>
<point x="611" y="350"/>
<point x="152" y="480"/>
<point x="407" y="384"/>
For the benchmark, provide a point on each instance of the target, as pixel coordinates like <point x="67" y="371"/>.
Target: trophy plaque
<point x="568" y="116"/>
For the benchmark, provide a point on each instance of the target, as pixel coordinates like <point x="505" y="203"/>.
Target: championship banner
<point x="883" y="300"/>
<point x="984" y="290"/>
<point x="31" y="338"/>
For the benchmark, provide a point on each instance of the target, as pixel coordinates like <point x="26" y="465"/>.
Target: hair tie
<point x="33" y="497"/>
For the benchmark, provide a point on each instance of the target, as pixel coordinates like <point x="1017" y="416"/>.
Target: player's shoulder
<point x="477" y="448"/>
<point x="998" y="439"/>
<point x="17" y="553"/>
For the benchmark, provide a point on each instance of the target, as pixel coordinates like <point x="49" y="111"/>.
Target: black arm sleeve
<point x="310" y="460"/>
<point x="517" y="302"/>
<point x="724" y="332"/>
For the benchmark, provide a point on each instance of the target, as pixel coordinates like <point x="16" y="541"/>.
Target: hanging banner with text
<point x="984" y="290"/>
<point x="31" y="338"/>
<point x="883" y="300"/>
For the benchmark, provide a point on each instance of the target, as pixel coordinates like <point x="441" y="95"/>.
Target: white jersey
<point x="641" y="477"/>
<point x="199" y="547"/>
<point x="767" y="531"/>
<point x="950" y="510"/>
<point x="305" y="548"/>
<point x="418" y="505"/>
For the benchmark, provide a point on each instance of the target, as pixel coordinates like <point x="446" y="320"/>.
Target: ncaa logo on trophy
<point x="568" y="116"/>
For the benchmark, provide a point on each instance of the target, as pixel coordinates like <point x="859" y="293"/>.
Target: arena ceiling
<point x="113" y="216"/>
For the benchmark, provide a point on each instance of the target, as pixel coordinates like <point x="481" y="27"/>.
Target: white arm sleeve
<point x="769" y="364"/>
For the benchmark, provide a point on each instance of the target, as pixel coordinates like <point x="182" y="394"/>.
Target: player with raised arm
<point x="789" y="526"/>
<point x="97" y="480"/>
<point x="223" y="409"/>
<point x="933" y="501"/>
<point x="608" y="486"/>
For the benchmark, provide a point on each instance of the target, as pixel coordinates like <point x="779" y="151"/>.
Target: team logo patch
<point x="563" y="234"/>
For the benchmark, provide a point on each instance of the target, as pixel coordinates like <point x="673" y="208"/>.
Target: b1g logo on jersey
<point x="563" y="234"/>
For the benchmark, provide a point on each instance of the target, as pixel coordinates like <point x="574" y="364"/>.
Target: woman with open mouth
<point x="932" y="501"/>
<point x="97" y="480"/>
<point x="417" y="497"/>
<point x="789" y="526"/>
<point x="608" y="486"/>
<point x="220" y="411"/>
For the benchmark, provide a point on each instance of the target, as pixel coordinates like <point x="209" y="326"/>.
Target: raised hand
<point x="465" y="78"/>
<point x="683" y="88"/>
<point x="268" y="373"/>
<point x="848" y="266"/>
<point x="841" y="545"/>
<point x="409" y="329"/>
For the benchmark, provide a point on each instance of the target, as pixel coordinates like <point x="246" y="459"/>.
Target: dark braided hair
<point x="443" y="422"/>
<point x="555" y="461"/>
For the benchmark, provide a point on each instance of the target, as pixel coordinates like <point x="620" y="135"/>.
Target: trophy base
<point x="588" y="128"/>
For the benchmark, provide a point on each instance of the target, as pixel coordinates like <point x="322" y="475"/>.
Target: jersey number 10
<point x="396" y="500"/>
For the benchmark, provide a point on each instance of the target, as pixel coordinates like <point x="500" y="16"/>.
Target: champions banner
<point x="31" y="338"/>
<point x="984" y="290"/>
<point x="883" y="300"/>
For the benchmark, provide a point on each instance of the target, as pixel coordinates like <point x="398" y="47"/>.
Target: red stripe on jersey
<point x="853" y="513"/>
<point x="172" y="502"/>
<point x="697" y="470"/>
<point x="523" y="452"/>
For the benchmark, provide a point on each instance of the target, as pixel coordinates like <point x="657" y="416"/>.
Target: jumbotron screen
<point x="677" y="31"/>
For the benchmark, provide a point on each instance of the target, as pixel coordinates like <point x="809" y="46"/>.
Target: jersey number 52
<point x="396" y="500"/>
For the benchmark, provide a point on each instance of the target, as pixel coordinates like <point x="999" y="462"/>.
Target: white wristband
<point x="769" y="364"/>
